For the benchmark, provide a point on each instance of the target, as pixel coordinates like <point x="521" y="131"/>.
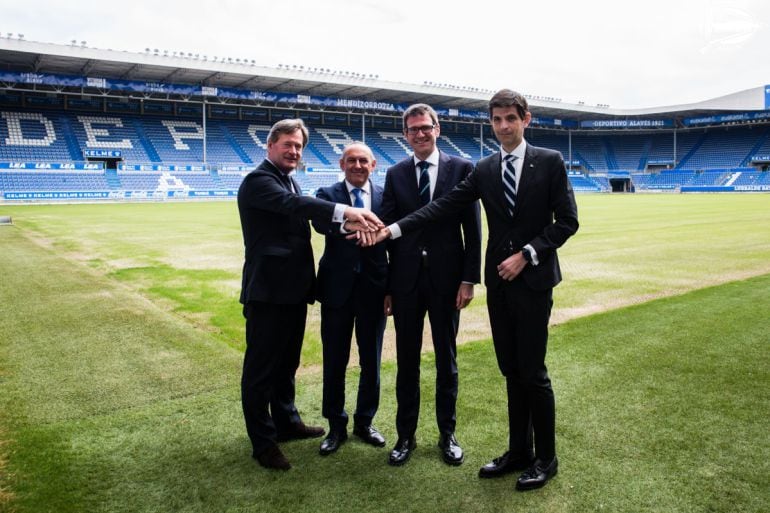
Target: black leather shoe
<point x="537" y="475"/>
<point x="272" y="457"/>
<point x="505" y="464"/>
<point x="369" y="435"/>
<point x="450" y="449"/>
<point x="332" y="442"/>
<point x="300" y="431"/>
<point x="402" y="451"/>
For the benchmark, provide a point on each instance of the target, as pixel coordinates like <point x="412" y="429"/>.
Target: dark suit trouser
<point x="519" y="319"/>
<point x="408" y="317"/>
<point x="274" y="336"/>
<point x="363" y="311"/>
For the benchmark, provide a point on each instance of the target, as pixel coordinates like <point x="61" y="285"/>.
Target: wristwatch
<point x="526" y="254"/>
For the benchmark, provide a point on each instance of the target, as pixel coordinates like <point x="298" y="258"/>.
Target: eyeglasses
<point x="425" y="129"/>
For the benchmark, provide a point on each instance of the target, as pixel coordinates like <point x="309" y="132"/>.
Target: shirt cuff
<point x="532" y="253"/>
<point x="395" y="231"/>
<point x="339" y="213"/>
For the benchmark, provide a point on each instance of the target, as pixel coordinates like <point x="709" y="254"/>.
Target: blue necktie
<point x="359" y="201"/>
<point x="509" y="182"/>
<point x="423" y="187"/>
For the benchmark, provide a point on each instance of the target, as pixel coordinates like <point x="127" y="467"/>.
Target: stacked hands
<point x="367" y="230"/>
<point x="365" y="227"/>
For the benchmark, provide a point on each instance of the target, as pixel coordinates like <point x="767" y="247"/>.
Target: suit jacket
<point x="279" y="266"/>
<point x="454" y="254"/>
<point x="343" y="259"/>
<point x="545" y="214"/>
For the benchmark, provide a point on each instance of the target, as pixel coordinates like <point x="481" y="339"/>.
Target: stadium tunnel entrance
<point x="110" y="163"/>
<point x="621" y="184"/>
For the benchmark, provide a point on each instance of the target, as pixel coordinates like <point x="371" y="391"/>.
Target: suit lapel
<point x="442" y="175"/>
<point x="497" y="182"/>
<point x="295" y="184"/>
<point x="409" y="176"/>
<point x="376" y="197"/>
<point x="341" y="193"/>
<point x="527" y="176"/>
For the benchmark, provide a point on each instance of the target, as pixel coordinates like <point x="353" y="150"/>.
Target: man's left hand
<point x="464" y="295"/>
<point x="511" y="266"/>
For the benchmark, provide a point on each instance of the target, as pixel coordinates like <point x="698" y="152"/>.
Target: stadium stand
<point x="165" y="151"/>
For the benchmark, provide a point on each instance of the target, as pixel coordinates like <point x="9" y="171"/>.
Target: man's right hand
<point x="366" y="238"/>
<point x="388" y="305"/>
<point x="359" y="219"/>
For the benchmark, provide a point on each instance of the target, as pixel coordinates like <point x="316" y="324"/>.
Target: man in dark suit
<point x="351" y="289"/>
<point x="531" y="212"/>
<point x="278" y="283"/>
<point x="430" y="271"/>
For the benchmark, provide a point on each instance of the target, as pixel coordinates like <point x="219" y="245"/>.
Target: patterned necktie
<point x="359" y="201"/>
<point x="509" y="182"/>
<point x="423" y="187"/>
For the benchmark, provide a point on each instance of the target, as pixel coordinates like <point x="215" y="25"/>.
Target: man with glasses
<point x="433" y="271"/>
<point x="531" y="212"/>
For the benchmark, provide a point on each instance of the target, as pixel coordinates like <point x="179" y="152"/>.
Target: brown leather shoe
<point x="272" y="457"/>
<point x="300" y="431"/>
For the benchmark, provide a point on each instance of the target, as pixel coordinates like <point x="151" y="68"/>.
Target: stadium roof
<point x="181" y="68"/>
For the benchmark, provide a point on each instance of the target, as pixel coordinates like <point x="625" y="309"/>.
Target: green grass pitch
<point x="121" y="341"/>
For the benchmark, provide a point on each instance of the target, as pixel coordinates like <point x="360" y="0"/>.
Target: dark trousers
<point x="519" y="319"/>
<point x="363" y="311"/>
<point x="274" y="336"/>
<point x="408" y="316"/>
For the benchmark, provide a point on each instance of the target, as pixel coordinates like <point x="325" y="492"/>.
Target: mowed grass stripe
<point x="187" y="257"/>
<point x="661" y="407"/>
<point x="84" y="345"/>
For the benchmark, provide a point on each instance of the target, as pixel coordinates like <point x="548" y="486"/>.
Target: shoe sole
<point x="400" y="463"/>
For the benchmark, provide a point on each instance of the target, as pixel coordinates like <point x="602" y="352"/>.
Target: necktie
<point x="359" y="201"/>
<point x="423" y="187"/>
<point x="287" y="182"/>
<point x="509" y="182"/>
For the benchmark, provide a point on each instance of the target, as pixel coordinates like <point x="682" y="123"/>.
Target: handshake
<point x="367" y="229"/>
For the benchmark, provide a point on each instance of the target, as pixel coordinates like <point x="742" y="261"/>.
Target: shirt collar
<point x="365" y="187"/>
<point x="290" y="173"/>
<point x="519" y="151"/>
<point x="432" y="159"/>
